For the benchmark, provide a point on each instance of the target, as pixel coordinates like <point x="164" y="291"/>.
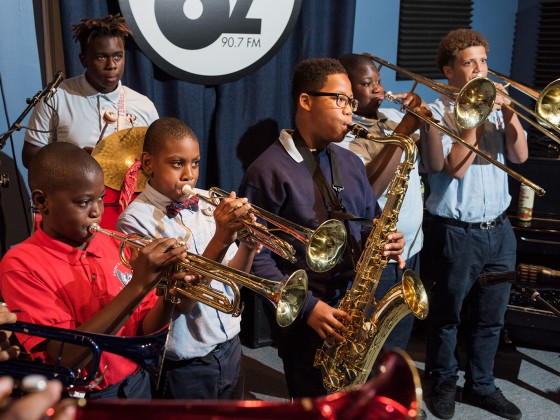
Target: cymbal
<point x="117" y="152"/>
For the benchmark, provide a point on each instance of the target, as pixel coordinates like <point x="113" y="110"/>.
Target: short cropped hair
<point x="456" y="41"/>
<point x="112" y="26"/>
<point x="164" y="129"/>
<point x="311" y="75"/>
<point x="353" y="62"/>
<point x="58" y="166"/>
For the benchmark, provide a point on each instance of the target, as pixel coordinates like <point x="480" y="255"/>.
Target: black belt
<point x="489" y="224"/>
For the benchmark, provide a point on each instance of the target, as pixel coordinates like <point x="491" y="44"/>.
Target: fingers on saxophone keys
<point x="333" y="337"/>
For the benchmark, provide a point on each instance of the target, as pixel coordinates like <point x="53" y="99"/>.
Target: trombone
<point x="147" y="352"/>
<point x="287" y="296"/>
<point x="324" y="245"/>
<point x="473" y="104"/>
<point x="547" y="107"/>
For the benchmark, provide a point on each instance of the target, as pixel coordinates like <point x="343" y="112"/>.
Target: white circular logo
<point x="210" y="41"/>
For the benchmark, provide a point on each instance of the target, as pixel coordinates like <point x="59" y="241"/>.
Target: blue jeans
<point x="213" y="376"/>
<point x="459" y="255"/>
<point x="390" y="276"/>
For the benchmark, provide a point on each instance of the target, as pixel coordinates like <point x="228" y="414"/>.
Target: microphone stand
<point x="4" y="179"/>
<point x="16" y="125"/>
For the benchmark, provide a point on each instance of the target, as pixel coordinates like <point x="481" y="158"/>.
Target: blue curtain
<point x="234" y="121"/>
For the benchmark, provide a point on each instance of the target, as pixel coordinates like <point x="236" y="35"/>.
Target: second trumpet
<point x="324" y="245"/>
<point x="287" y="296"/>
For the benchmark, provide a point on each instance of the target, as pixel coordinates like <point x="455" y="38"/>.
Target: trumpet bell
<point x="292" y="294"/>
<point x="548" y="104"/>
<point x="475" y="102"/>
<point x="326" y="246"/>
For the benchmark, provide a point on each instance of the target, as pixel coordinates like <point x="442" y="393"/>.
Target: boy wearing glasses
<point x="305" y="178"/>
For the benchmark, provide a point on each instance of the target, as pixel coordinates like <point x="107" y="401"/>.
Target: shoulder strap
<point x="338" y="211"/>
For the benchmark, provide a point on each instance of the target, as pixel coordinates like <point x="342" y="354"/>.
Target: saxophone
<point x="348" y="364"/>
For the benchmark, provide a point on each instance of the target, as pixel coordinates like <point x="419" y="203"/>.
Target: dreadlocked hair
<point x="112" y="26"/>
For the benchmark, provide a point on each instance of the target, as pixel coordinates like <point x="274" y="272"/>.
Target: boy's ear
<point x="40" y="201"/>
<point x="447" y="72"/>
<point x="82" y="59"/>
<point x="146" y="161"/>
<point x="305" y="101"/>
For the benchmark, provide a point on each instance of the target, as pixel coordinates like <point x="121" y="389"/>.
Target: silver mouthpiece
<point x="188" y="190"/>
<point x="94" y="228"/>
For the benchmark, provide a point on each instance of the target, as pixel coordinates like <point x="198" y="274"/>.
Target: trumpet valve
<point x="163" y="289"/>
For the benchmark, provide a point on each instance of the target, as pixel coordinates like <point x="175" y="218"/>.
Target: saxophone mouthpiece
<point x="359" y="131"/>
<point x="187" y="190"/>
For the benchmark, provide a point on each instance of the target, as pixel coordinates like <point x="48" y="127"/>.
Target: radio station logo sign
<point x="210" y="41"/>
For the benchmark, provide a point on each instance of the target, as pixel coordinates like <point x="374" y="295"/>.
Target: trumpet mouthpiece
<point x="187" y="190"/>
<point x="93" y="228"/>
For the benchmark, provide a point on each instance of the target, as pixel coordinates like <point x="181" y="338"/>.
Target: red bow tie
<point x="174" y="208"/>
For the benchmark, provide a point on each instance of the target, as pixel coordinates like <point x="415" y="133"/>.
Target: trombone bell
<point x="548" y="104"/>
<point x="475" y="102"/>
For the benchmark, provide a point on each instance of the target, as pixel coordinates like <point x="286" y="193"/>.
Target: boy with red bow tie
<point x="204" y="353"/>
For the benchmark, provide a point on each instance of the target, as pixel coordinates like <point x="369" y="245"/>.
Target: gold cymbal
<point x="117" y="152"/>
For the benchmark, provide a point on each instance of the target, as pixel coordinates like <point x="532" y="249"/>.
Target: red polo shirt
<point x="58" y="285"/>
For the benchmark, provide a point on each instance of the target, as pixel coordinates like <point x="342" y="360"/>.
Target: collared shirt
<point x="411" y="212"/>
<point x="194" y="334"/>
<point x="279" y="181"/>
<point x="77" y="112"/>
<point x="58" y="285"/>
<point x="482" y="194"/>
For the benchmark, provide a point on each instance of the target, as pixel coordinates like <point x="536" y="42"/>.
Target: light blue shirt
<point x="482" y="194"/>
<point x="411" y="212"/>
<point x="194" y="334"/>
<point x="75" y="114"/>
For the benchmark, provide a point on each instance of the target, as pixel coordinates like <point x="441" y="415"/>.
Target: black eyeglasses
<point x="342" y="100"/>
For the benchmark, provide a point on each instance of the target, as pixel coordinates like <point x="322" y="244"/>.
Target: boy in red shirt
<point x="66" y="277"/>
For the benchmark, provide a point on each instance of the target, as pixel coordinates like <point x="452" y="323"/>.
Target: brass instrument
<point x="394" y="393"/>
<point x="547" y="107"/>
<point x="324" y="245"/>
<point x="147" y="351"/>
<point x="287" y="296"/>
<point x="348" y="364"/>
<point x="473" y="104"/>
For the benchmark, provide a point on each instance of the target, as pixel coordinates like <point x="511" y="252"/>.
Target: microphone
<point x="526" y="275"/>
<point x="51" y="87"/>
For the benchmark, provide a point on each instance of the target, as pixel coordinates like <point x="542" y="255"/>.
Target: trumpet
<point x="324" y="245"/>
<point x="147" y="352"/>
<point x="473" y="104"/>
<point x="287" y="296"/>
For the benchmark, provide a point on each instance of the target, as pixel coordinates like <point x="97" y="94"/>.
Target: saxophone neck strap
<point x="332" y="193"/>
<point x="333" y="200"/>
